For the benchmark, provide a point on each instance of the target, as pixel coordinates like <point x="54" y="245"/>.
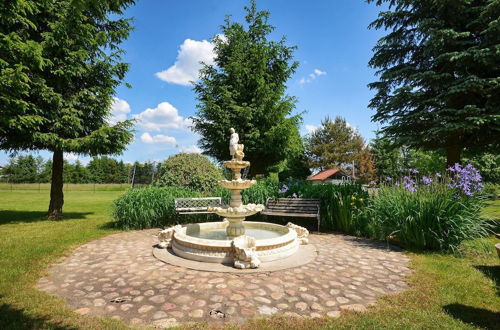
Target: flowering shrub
<point x="435" y="213"/>
<point x="430" y="218"/>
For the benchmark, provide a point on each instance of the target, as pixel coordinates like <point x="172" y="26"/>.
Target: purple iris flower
<point x="283" y="189"/>
<point x="409" y="184"/>
<point x="426" y="180"/>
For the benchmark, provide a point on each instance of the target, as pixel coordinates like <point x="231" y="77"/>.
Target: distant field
<point x="67" y="186"/>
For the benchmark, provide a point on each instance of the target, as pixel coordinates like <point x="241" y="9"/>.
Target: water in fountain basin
<point x="220" y="234"/>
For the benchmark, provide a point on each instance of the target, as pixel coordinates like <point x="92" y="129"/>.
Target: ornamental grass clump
<point x="435" y="213"/>
<point x="148" y="207"/>
<point x="339" y="203"/>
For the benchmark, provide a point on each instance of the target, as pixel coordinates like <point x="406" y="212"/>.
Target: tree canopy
<point x="439" y="69"/>
<point x="246" y="89"/>
<point x="60" y="63"/>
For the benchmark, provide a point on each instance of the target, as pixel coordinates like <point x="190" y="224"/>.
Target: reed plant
<point x="339" y="203"/>
<point x="148" y="207"/>
<point x="433" y="217"/>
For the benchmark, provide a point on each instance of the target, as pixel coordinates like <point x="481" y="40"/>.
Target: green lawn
<point x="447" y="292"/>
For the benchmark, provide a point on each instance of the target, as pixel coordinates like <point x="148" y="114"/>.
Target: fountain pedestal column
<point x="235" y="227"/>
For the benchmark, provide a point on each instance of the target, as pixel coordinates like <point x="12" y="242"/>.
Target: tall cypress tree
<point x="439" y="68"/>
<point x="60" y="63"/>
<point x="246" y="89"/>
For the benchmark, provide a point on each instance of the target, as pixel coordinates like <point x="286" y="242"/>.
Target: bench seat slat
<point x="278" y="209"/>
<point x="284" y="214"/>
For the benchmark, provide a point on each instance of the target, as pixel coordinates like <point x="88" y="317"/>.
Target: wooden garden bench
<point x="195" y="205"/>
<point x="293" y="207"/>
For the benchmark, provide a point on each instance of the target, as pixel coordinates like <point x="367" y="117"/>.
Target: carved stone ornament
<point x="166" y="235"/>
<point x="302" y="233"/>
<point x="245" y="255"/>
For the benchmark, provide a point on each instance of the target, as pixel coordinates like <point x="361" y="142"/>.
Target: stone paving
<point x="118" y="276"/>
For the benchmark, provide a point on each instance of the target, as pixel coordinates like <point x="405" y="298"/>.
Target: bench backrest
<point x="293" y="205"/>
<point x="196" y="205"/>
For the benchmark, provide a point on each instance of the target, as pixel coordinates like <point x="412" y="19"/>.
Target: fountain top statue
<point x="235" y="149"/>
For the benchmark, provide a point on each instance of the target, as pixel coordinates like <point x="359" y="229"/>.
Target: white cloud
<point x="310" y="128"/>
<point x="316" y="73"/>
<point x="191" y="149"/>
<point x="164" y="116"/>
<point x="160" y="138"/>
<point x="187" y="65"/>
<point x="119" y="110"/>
<point x="70" y="157"/>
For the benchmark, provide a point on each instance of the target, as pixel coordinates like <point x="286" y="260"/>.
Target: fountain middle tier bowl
<point x="208" y="242"/>
<point x="237" y="212"/>
<point x="236" y="184"/>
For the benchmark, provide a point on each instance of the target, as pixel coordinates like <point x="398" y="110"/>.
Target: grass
<point x="447" y="291"/>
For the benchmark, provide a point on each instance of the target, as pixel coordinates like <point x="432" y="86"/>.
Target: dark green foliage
<point x="150" y="207"/>
<point x="29" y="169"/>
<point x="60" y="63"/>
<point x="439" y="68"/>
<point x="245" y="89"/>
<point x="394" y="161"/>
<point x="189" y="170"/>
<point x="339" y="204"/>
<point x="108" y="170"/>
<point x="23" y="169"/>
<point x="431" y="218"/>
<point x="488" y="165"/>
<point x="75" y="173"/>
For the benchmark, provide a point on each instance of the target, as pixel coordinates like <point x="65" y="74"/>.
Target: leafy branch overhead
<point x="439" y="69"/>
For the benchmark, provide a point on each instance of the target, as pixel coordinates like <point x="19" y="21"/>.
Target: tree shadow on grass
<point x="14" y="216"/>
<point x="109" y="225"/>
<point x="478" y="317"/>
<point x="492" y="272"/>
<point x="12" y="318"/>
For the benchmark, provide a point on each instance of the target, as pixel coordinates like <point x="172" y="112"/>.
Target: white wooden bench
<point x="195" y="205"/>
<point x="293" y="207"/>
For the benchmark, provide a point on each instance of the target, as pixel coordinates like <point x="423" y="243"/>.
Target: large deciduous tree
<point x="439" y="68"/>
<point x="60" y="63"/>
<point x="246" y="89"/>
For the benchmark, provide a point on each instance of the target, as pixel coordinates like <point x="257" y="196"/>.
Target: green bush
<point x="432" y="217"/>
<point x="148" y="207"/>
<point x="339" y="203"/>
<point x="191" y="171"/>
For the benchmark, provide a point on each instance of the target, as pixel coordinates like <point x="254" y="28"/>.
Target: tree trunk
<point x="56" y="187"/>
<point x="453" y="155"/>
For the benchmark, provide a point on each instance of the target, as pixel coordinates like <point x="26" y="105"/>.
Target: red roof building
<point x="333" y="175"/>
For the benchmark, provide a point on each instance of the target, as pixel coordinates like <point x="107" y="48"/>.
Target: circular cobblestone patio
<point x="117" y="276"/>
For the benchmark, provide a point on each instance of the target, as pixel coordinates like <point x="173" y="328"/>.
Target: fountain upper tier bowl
<point x="208" y="242"/>
<point x="236" y="184"/>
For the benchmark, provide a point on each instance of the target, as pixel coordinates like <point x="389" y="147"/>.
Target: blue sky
<point x="170" y="37"/>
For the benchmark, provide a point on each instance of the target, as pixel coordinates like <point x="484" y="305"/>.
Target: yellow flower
<point x="353" y="197"/>
<point x="361" y="200"/>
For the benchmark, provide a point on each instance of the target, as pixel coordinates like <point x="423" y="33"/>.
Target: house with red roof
<point x="332" y="176"/>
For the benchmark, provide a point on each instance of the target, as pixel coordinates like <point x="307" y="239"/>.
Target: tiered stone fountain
<point x="245" y="245"/>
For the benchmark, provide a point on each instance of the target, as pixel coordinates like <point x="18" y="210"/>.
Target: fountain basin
<point x="208" y="242"/>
